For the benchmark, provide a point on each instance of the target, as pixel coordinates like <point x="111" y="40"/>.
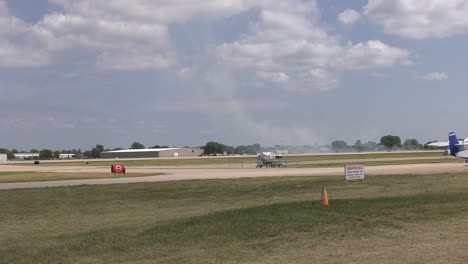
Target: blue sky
<point x="76" y="73"/>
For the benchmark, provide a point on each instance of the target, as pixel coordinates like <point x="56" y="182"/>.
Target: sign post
<point x="354" y="172"/>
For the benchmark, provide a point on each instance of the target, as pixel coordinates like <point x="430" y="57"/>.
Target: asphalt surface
<point x="172" y="174"/>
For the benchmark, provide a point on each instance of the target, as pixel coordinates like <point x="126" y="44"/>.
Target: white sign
<point x="354" y="172"/>
<point x="118" y="168"/>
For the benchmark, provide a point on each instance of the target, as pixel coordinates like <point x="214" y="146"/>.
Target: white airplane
<point x="457" y="148"/>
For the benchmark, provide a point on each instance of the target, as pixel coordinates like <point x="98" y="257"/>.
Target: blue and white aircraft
<point x="457" y="148"/>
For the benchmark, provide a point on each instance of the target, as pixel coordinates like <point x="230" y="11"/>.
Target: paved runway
<point x="172" y="174"/>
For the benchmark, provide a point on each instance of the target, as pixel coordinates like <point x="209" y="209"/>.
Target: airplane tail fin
<point x="454" y="145"/>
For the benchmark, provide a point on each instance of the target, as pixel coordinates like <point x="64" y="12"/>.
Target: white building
<point x="66" y="156"/>
<point x="23" y="156"/>
<point x="152" y="153"/>
<point x="3" y="158"/>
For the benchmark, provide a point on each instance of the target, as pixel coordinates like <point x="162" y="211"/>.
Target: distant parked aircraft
<point x="457" y="148"/>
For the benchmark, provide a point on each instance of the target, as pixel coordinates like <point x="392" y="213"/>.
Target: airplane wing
<point x="438" y="144"/>
<point x="446" y="144"/>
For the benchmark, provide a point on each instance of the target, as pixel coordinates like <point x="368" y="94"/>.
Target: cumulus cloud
<point x="349" y="16"/>
<point x="159" y="12"/>
<point x="419" y="19"/>
<point x="278" y="77"/>
<point x="288" y="46"/>
<point x="284" y="45"/>
<point x="373" y="54"/>
<point x="324" y="80"/>
<point x="434" y="76"/>
<point x="185" y="73"/>
<point x="208" y="106"/>
<point x="120" y="44"/>
<point x="14" y="56"/>
<point x="9" y="24"/>
<point x="59" y="31"/>
<point x="135" y="60"/>
<point x="124" y="35"/>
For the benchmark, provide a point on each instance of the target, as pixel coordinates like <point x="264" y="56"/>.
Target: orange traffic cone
<point x="324" y="201"/>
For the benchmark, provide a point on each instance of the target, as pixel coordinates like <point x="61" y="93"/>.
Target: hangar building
<point x="152" y="153"/>
<point x="3" y="157"/>
<point x="23" y="156"/>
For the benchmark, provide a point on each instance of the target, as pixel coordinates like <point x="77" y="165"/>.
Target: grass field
<point x="385" y="219"/>
<point x="381" y="162"/>
<point x="29" y="176"/>
<point x="227" y="160"/>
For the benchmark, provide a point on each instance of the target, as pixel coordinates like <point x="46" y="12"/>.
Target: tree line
<point x="47" y="154"/>
<point x="388" y="142"/>
<point x="214" y="148"/>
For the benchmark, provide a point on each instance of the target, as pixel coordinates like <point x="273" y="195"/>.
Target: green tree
<point x="56" y="154"/>
<point x="45" y="154"/>
<point x="137" y="145"/>
<point x="358" y="146"/>
<point x="390" y="141"/>
<point x="34" y="151"/>
<point x="370" y="146"/>
<point x="411" y="144"/>
<point x="249" y="149"/>
<point x="230" y="150"/>
<point x="96" y="152"/>
<point x="214" y="148"/>
<point x="88" y="153"/>
<point x="338" y="145"/>
<point x="241" y="150"/>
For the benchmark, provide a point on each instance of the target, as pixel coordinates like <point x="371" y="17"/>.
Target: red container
<point x="118" y="168"/>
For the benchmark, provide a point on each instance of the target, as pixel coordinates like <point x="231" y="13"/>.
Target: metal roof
<point x="26" y="155"/>
<point x="140" y="150"/>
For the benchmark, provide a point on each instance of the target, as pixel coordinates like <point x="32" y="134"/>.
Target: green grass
<point x="29" y="176"/>
<point x="227" y="160"/>
<point x="220" y="221"/>
<point x="379" y="163"/>
<point x="416" y="154"/>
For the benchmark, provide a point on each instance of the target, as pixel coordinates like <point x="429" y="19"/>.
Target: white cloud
<point x="277" y="77"/>
<point x="15" y="56"/>
<point x="67" y="31"/>
<point x="121" y="45"/>
<point x="434" y="76"/>
<point x="185" y="73"/>
<point x="208" y="106"/>
<point x="373" y="54"/>
<point x="135" y="60"/>
<point x="349" y="16"/>
<point x="283" y="46"/>
<point x="287" y="41"/>
<point x="9" y="24"/>
<point x="123" y="35"/>
<point x="324" y="80"/>
<point x="159" y="12"/>
<point x="419" y="19"/>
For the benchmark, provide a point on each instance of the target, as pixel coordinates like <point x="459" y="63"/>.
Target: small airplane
<point x="457" y="148"/>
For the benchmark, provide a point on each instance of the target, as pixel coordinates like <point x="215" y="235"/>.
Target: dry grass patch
<point x="31" y="176"/>
<point x="404" y="218"/>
